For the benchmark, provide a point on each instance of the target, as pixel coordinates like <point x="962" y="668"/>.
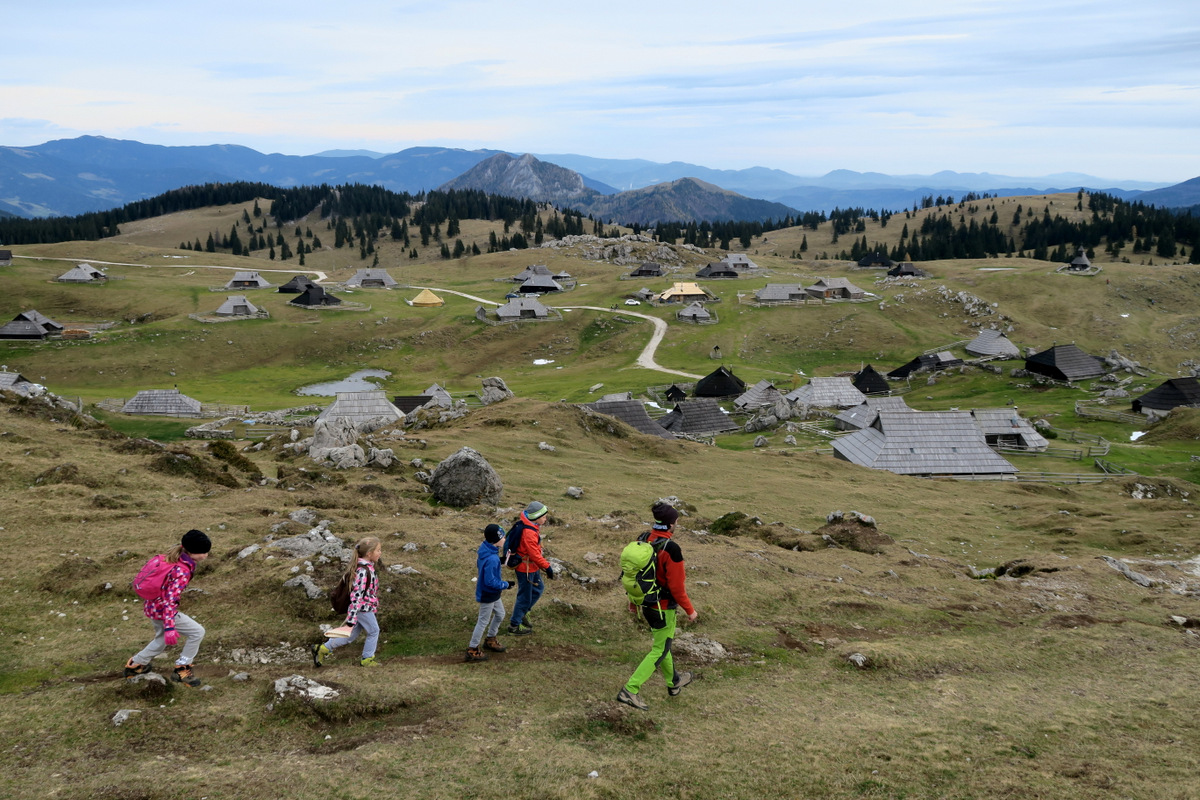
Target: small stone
<point x="123" y="716"/>
<point x="574" y="491"/>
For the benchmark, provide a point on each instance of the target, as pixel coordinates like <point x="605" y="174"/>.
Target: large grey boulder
<point x="494" y="390"/>
<point x="465" y="479"/>
<point x="333" y="432"/>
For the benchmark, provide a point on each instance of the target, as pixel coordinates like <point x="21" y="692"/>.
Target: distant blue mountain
<point x="90" y="173"/>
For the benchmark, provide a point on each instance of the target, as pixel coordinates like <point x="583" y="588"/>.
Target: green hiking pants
<point x="659" y="656"/>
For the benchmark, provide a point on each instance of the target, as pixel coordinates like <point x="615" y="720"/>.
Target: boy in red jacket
<point x="529" y="571"/>
<point x="670" y="575"/>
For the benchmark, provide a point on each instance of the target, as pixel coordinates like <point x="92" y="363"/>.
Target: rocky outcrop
<point x="465" y="479"/>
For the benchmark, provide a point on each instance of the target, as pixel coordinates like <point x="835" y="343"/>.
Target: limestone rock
<point x="761" y="441"/>
<point x="465" y="479"/>
<point x="381" y="458"/>
<point x="304" y="688"/>
<point x="311" y="590"/>
<point x="123" y="715"/>
<point x="574" y="491"/>
<point x="494" y="391"/>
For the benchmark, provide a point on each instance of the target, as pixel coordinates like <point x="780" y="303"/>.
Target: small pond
<point x="356" y="382"/>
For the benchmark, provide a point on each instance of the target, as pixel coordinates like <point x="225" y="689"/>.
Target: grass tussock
<point x="182" y="463"/>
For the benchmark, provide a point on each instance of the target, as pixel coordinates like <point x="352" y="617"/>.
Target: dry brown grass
<point x="1019" y="686"/>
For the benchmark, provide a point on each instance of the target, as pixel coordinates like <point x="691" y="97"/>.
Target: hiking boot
<point x="184" y="674"/>
<point x="630" y="699"/>
<point x="369" y="662"/>
<point x="682" y="679"/>
<point x="521" y="630"/>
<point x="493" y="644"/>
<point x="319" y="652"/>
<point x="474" y="654"/>
<point x="133" y="668"/>
<point x="526" y="621"/>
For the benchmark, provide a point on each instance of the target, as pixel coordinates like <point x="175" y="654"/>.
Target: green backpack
<point x="639" y="570"/>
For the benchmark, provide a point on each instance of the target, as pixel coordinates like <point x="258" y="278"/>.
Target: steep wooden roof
<point x="992" y="343"/>
<point x="236" y="305"/>
<point x="827" y="393"/>
<point x="1170" y="394"/>
<point x="162" y="402"/>
<point x="362" y="406"/>
<point x="1065" y="362"/>
<point x="633" y="414"/>
<point x="699" y="416"/>
<point x="864" y="415"/>
<point x="924" y="443"/>
<point x="762" y="393"/>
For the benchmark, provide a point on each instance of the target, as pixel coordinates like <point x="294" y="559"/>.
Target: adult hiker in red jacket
<point x="670" y="575"/>
<point x="529" y="570"/>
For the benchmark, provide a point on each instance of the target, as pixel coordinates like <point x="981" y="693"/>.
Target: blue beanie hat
<point x="535" y="510"/>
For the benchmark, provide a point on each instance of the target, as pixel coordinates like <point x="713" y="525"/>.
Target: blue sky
<point x="1020" y="88"/>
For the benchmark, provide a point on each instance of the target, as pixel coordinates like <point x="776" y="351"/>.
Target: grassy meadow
<point x="1057" y="678"/>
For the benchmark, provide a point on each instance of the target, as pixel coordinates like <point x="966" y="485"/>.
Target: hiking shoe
<point x="184" y="674"/>
<point x="682" y="679"/>
<point x="526" y="621"/>
<point x="630" y="699"/>
<point x="475" y="654"/>
<point x="369" y="662"/>
<point x="493" y="644"/>
<point x="522" y="630"/>
<point x="133" y="668"/>
<point x="319" y="651"/>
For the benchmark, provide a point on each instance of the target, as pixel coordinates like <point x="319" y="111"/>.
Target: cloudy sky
<point x="1108" y="88"/>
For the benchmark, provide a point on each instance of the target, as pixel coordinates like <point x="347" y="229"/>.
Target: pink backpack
<point x="148" y="584"/>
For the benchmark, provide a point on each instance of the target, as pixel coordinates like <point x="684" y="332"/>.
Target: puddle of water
<point x="357" y="382"/>
<point x="541" y="362"/>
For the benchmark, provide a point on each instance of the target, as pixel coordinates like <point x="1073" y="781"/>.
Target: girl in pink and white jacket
<point x="364" y="602"/>
<point x="163" y="612"/>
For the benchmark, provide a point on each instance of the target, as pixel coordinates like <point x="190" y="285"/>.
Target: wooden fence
<point x="1096" y="412"/>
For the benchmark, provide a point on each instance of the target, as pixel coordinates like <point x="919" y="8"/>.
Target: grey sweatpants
<point x="488" y="612"/>
<point x="186" y="626"/>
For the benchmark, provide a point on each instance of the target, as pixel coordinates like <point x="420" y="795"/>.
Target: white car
<point x="632" y="303"/>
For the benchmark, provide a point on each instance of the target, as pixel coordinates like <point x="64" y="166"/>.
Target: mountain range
<point x="89" y="173"/>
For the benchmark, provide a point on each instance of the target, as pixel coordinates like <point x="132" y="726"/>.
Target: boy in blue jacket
<point x="488" y="587"/>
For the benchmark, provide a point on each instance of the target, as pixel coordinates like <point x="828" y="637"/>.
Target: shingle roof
<point x="717" y="270"/>
<point x="869" y="381"/>
<point x="693" y="311"/>
<point x="40" y="319"/>
<point x="520" y="307"/>
<point x="362" y="406"/>
<point x="315" y="295"/>
<point x="540" y="283"/>
<point x="760" y="394"/>
<point x="1066" y="362"/>
<point x="162" y="402"/>
<point x="865" y="414"/>
<point x="992" y="343"/>
<point x="827" y="393"/>
<point x="926" y="362"/>
<point x="834" y="283"/>
<point x="685" y="289"/>
<point x="1170" y="394"/>
<point x="297" y="284"/>
<point x="22" y="329"/>
<point x="14" y="382"/>
<point x="531" y="271"/>
<point x="699" y="416"/>
<point x="240" y="279"/>
<point x="372" y="276"/>
<point x="236" y="305"/>
<point x="719" y="383"/>
<point x="1005" y="423"/>
<point x="923" y="443"/>
<point x="82" y="273"/>
<point x="739" y="260"/>
<point x="647" y="269"/>
<point x="440" y="396"/>
<point x="781" y="291"/>
<point x="633" y="414"/>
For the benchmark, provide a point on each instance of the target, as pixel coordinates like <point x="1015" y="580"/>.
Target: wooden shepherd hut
<point x="924" y="443"/>
<point x="363" y="408"/>
<point x="82" y="273"/>
<point x="296" y="285"/>
<point x="633" y="414"/>
<point x="1065" y="362"/>
<point x="236" y="305"/>
<point x="1170" y="394"/>
<point x="315" y="296"/>
<point x="926" y="362"/>
<point x="993" y="343"/>
<point x="827" y="393"/>
<point x="869" y="381"/>
<point x="700" y="416"/>
<point x="162" y="403"/>
<point x="247" y="280"/>
<point x="719" y="383"/>
<point x="371" y="279"/>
